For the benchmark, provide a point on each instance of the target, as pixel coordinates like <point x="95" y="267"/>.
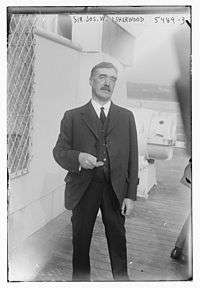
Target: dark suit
<point x="83" y="194"/>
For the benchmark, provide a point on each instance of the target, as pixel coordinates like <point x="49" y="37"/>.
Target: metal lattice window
<point x="21" y="49"/>
<point x="20" y="91"/>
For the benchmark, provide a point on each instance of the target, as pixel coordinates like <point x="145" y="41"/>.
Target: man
<point x="97" y="144"/>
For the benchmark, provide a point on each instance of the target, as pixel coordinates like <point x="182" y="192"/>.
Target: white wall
<point x="38" y="196"/>
<point x="87" y="34"/>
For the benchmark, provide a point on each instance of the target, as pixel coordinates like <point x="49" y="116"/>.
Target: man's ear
<point x="90" y="82"/>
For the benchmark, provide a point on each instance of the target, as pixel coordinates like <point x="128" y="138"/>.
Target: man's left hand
<point x="127" y="207"/>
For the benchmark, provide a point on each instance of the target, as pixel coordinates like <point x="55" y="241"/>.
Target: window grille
<point x="20" y="84"/>
<point x="20" y="81"/>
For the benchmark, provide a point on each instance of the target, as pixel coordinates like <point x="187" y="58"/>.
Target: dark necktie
<point x="102" y="116"/>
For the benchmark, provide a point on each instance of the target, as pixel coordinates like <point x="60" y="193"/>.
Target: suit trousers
<point x="99" y="194"/>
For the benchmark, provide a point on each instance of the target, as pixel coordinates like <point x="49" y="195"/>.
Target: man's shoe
<point x="176" y="253"/>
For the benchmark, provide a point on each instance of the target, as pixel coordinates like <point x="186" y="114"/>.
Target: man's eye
<point x="113" y="79"/>
<point x="101" y="76"/>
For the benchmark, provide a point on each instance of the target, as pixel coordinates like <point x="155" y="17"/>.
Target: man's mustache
<point x="107" y="88"/>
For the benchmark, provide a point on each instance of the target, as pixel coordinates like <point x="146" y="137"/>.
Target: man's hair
<point x="102" y="65"/>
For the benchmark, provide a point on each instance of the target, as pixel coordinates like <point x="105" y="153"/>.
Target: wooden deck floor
<point x="151" y="234"/>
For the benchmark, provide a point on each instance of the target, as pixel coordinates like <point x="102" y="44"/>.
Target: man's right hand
<point x="88" y="161"/>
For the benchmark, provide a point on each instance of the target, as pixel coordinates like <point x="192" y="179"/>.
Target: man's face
<point x="103" y="83"/>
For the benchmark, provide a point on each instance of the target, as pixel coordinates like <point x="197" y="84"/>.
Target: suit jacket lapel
<point x="91" y="119"/>
<point x="113" y="117"/>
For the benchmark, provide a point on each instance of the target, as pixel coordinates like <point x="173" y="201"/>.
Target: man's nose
<point x="107" y="82"/>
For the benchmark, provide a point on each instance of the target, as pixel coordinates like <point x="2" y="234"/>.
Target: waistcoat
<point x="102" y="173"/>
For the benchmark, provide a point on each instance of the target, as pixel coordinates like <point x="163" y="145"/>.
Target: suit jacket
<point x="78" y="133"/>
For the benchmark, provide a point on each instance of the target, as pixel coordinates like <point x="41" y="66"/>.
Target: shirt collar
<point x="97" y="107"/>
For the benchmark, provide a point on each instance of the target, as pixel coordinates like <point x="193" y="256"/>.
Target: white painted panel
<point x="26" y="221"/>
<point x="58" y="202"/>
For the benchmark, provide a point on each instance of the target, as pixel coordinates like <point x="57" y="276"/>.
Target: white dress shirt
<point x="97" y="107"/>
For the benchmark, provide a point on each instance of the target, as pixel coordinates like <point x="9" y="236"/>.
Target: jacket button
<point x="104" y="159"/>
